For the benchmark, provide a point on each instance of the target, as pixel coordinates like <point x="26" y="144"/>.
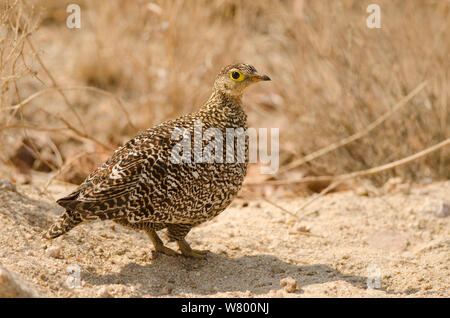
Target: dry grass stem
<point x="354" y="137"/>
<point x="362" y="173"/>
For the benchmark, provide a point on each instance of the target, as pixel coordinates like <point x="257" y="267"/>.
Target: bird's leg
<point x="187" y="251"/>
<point x="158" y="243"/>
<point x="148" y="228"/>
<point x="177" y="232"/>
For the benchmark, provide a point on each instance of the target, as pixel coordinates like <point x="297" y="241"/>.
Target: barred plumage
<point x="142" y="187"/>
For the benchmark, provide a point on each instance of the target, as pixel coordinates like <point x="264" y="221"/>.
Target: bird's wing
<point x="113" y="187"/>
<point x="136" y="183"/>
<point x="108" y="189"/>
<point x="113" y="182"/>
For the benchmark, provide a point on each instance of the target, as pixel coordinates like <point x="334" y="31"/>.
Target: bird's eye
<point x="236" y="76"/>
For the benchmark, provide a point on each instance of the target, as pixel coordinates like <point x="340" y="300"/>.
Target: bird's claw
<point x="199" y="254"/>
<point x="165" y="250"/>
<point x="187" y="251"/>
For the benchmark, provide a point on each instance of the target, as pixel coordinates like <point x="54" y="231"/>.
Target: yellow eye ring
<point x="236" y="76"/>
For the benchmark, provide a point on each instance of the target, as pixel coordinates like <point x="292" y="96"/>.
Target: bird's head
<point x="234" y="79"/>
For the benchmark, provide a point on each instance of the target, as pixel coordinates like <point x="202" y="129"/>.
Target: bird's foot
<point x="165" y="250"/>
<point x="195" y="253"/>
<point x="159" y="245"/>
<point x="187" y="251"/>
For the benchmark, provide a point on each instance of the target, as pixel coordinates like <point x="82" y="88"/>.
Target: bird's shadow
<point x="178" y="276"/>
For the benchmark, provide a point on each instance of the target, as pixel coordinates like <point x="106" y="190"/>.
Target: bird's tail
<point x="67" y="221"/>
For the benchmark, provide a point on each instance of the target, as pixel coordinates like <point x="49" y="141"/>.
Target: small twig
<point x="56" y="151"/>
<point x="287" y="212"/>
<point x="61" y="130"/>
<point x="68" y="125"/>
<point x="361" y="173"/>
<point x="65" y="166"/>
<point x="271" y="203"/>
<point x="274" y="204"/>
<point x="55" y="85"/>
<point x="336" y="180"/>
<point x="27" y="125"/>
<point x="75" y="130"/>
<point x="101" y="91"/>
<point x="315" y="197"/>
<point x="354" y="137"/>
<point x="28" y="99"/>
<point x="31" y="147"/>
<point x="88" y="88"/>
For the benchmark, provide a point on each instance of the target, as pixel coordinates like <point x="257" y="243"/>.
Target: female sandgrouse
<point x="148" y="185"/>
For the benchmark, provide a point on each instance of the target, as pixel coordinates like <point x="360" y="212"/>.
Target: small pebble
<point x="54" y="252"/>
<point x="288" y="284"/>
<point x="362" y="191"/>
<point x="304" y="229"/>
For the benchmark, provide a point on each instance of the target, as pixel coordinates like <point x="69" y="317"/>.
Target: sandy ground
<point x="396" y="240"/>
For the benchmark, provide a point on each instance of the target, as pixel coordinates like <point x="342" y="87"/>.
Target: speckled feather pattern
<point x="140" y="187"/>
<point x="140" y="183"/>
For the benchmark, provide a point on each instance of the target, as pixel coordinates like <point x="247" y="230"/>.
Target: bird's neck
<point x="225" y="109"/>
<point x="219" y="99"/>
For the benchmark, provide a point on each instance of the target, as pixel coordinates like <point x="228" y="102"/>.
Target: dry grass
<point x="332" y="76"/>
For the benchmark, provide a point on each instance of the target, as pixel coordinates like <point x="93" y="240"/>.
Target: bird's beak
<point x="260" y="77"/>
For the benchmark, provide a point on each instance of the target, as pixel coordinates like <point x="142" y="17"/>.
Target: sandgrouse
<point x="150" y="183"/>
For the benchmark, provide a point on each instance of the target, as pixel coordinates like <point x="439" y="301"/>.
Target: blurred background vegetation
<point x="133" y="64"/>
